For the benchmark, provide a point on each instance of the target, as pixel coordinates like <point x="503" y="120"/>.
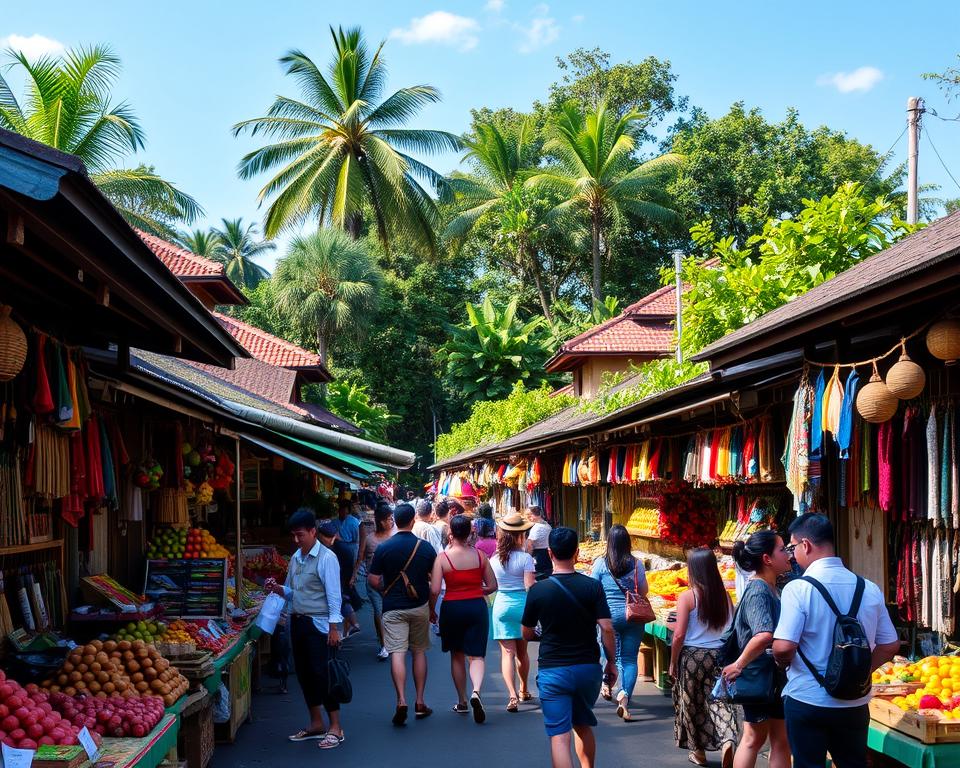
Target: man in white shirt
<point x="313" y="589"/>
<point x="423" y="527"/>
<point x="538" y="542"/>
<point x="817" y="722"/>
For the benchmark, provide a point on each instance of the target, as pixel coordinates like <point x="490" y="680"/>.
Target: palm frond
<point x="406" y="103"/>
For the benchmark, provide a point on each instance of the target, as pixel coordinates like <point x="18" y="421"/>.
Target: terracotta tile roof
<point x="180" y="261"/>
<point x="268" y="348"/>
<point x="661" y="303"/>
<point x="624" y="335"/>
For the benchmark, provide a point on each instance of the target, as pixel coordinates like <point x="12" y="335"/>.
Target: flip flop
<point x="331" y="741"/>
<point x="305" y="735"/>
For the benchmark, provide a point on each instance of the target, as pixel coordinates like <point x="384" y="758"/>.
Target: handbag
<point x="638" y="609"/>
<point x="338" y="678"/>
<point x="760" y="682"/>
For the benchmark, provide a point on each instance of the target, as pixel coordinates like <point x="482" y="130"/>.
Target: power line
<point x="937" y="153"/>
<point x="886" y="155"/>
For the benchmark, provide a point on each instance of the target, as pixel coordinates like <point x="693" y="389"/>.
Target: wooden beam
<point x="103" y="296"/>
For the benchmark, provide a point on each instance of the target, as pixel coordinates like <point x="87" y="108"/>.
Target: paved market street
<point x="444" y="739"/>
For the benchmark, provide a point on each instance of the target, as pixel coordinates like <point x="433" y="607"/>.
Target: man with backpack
<point x="834" y="631"/>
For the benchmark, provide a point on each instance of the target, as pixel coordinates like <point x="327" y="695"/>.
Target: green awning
<point x="347" y="458"/>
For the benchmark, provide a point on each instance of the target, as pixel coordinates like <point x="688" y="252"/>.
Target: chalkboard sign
<point x="191" y="589"/>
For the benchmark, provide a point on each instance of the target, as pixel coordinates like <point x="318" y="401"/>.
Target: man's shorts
<point x="567" y="696"/>
<point x="407" y="629"/>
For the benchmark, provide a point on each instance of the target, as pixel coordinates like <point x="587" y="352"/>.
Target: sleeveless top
<point x="699" y="635"/>
<point x="309" y="592"/>
<point x="463" y="584"/>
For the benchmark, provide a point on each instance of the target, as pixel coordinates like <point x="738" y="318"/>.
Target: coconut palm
<point x="326" y="284"/>
<point x="341" y="149"/>
<point x="596" y="175"/>
<point x="236" y="249"/>
<point x="67" y="105"/>
<point x="203" y="242"/>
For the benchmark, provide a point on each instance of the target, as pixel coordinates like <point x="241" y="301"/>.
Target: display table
<point x="147" y="752"/>
<point x="659" y="636"/>
<point x="909" y="751"/>
<point x="224" y="660"/>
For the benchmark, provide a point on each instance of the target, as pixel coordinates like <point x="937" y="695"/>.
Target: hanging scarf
<point x="933" y="469"/>
<point x="845" y="424"/>
<point x="885" y="467"/>
<point x="833" y="404"/>
<point x="42" y="396"/>
<point x="816" y="423"/>
<point x="944" y="468"/>
<point x="796" y="454"/>
<point x="74" y="421"/>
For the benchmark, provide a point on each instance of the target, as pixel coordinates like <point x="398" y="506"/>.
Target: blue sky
<point x="192" y="69"/>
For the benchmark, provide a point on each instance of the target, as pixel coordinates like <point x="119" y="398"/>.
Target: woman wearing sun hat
<point x="514" y="569"/>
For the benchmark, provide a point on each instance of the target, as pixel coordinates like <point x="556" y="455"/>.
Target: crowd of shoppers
<point x="414" y="560"/>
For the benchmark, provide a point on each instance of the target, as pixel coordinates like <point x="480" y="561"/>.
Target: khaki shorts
<point x="407" y="629"/>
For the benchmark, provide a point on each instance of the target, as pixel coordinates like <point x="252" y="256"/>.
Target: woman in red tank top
<point x="464" y="620"/>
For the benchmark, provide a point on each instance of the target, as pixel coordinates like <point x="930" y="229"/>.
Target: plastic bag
<point x="221" y="705"/>
<point x="270" y="613"/>
<point x="723" y="690"/>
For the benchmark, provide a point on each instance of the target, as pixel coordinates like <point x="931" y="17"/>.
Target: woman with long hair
<point x="464" y="620"/>
<point x="619" y="572"/>
<point x="383" y="529"/>
<point x="514" y="569"/>
<point x="704" y="613"/>
<point x="755" y="620"/>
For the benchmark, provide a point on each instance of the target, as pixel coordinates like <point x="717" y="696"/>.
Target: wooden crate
<point x="196" y="735"/>
<point x="237" y="678"/>
<point x="924" y="728"/>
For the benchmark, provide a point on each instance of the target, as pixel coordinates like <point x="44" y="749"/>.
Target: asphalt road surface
<point x="445" y="739"/>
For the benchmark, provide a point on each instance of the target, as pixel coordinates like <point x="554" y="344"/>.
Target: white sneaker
<point x="383" y="655"/>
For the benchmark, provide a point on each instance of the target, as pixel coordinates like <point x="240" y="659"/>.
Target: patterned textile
<point x="698" y="723"/>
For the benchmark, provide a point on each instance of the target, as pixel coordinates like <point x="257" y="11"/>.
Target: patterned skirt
<point x="700" y="724"/>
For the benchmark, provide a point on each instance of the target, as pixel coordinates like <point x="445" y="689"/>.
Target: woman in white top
<point x="537" y="542"/>
<point x="514" y="569"/>
<point x="704" y="613"/>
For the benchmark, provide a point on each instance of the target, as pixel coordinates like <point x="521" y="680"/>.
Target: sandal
<point x="513" y="705"/>
<point x="605" y="692"/>
<point x="461" y="709"/>
<point x="331" y="740"/>
<point x="306" y="735"/>
<point x="694" y="758"/>
<point x="526" y="696"/>
<point x="622" y="712"/>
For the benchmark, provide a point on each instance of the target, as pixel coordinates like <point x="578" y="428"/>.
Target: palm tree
<point x="595" y="174"/>
<point x="326" y="284"/>
<point x="67" y="105"/>
<point x="236" y="248"/>
<point x="203" y="242"/>
<point x="341" y="150"/>
<point x="500" y="158"/>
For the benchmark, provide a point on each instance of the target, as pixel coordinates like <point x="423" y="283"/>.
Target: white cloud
<point x="494" y="6"/>
<point x="34" y="46"/>
<point x="442" y="28"/>
<point x="542" y="30"/>
<point x="578" y="19"/>
<point x="862" y="79"/>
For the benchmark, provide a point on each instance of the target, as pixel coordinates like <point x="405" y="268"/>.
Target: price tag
<point x="88" y="744"/>
<point x="17" y="758"/>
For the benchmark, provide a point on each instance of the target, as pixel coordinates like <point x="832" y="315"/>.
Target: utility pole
<point x="677" y="258"/>
<point x="914" y="110"/>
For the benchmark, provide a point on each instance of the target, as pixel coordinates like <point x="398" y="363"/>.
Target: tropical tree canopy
<point x="596" y="175"/>
<point x="203" y="242"/>
<point x="341" y="148"/>
<point x="352" y="401"/>
<point x="236" y="248"/>
<point x="67" y="105"/>
<point x="327" y="283"/>
<point x="494" y="350"/>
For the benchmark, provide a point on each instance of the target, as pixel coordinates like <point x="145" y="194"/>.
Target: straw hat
<point x="514" y="522"/>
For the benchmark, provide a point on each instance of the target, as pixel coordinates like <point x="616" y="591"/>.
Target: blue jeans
<point x="628" y="639"/>
<point x="567" y="696"/>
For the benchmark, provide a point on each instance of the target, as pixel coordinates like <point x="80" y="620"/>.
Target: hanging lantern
<point x="876" y="403"/>
<point x="943" y="340"/>
<point x="13" y="346"/>
<point x="905" y="379"/>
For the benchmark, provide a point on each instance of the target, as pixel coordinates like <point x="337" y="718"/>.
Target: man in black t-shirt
<point x="569" y="606"/>
<point x="401" y="571"/>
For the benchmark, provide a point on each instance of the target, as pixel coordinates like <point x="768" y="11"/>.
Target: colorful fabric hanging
<point x="42" y="400"/>
<point x="833" y="404"/>
<point x="933" y="469"/>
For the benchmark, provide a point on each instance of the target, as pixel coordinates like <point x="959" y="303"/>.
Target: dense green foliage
<point x="68" y="105"/>
<point x="492" y="420"/>
<point x="494" y="350"/>
<point x="341" y="147"/>
<point x="352" y="401"/>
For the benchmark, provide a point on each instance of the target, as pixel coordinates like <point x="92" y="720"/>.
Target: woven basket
<point x="13" y="346"/>
<point x="943" y="340"/>
<point x="172" y="507"/>
<point x="875" y="403"/>
<point x="905" y="379"/>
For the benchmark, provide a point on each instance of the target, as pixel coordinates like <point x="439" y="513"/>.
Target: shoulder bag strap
<point x="580" y="609"/>
<point x="826" y="595"/>
<point x="405" y="566"/>
<point x="857" y="597"/>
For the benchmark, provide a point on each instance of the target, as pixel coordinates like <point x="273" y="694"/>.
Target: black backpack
<point x="849" y="667"/>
